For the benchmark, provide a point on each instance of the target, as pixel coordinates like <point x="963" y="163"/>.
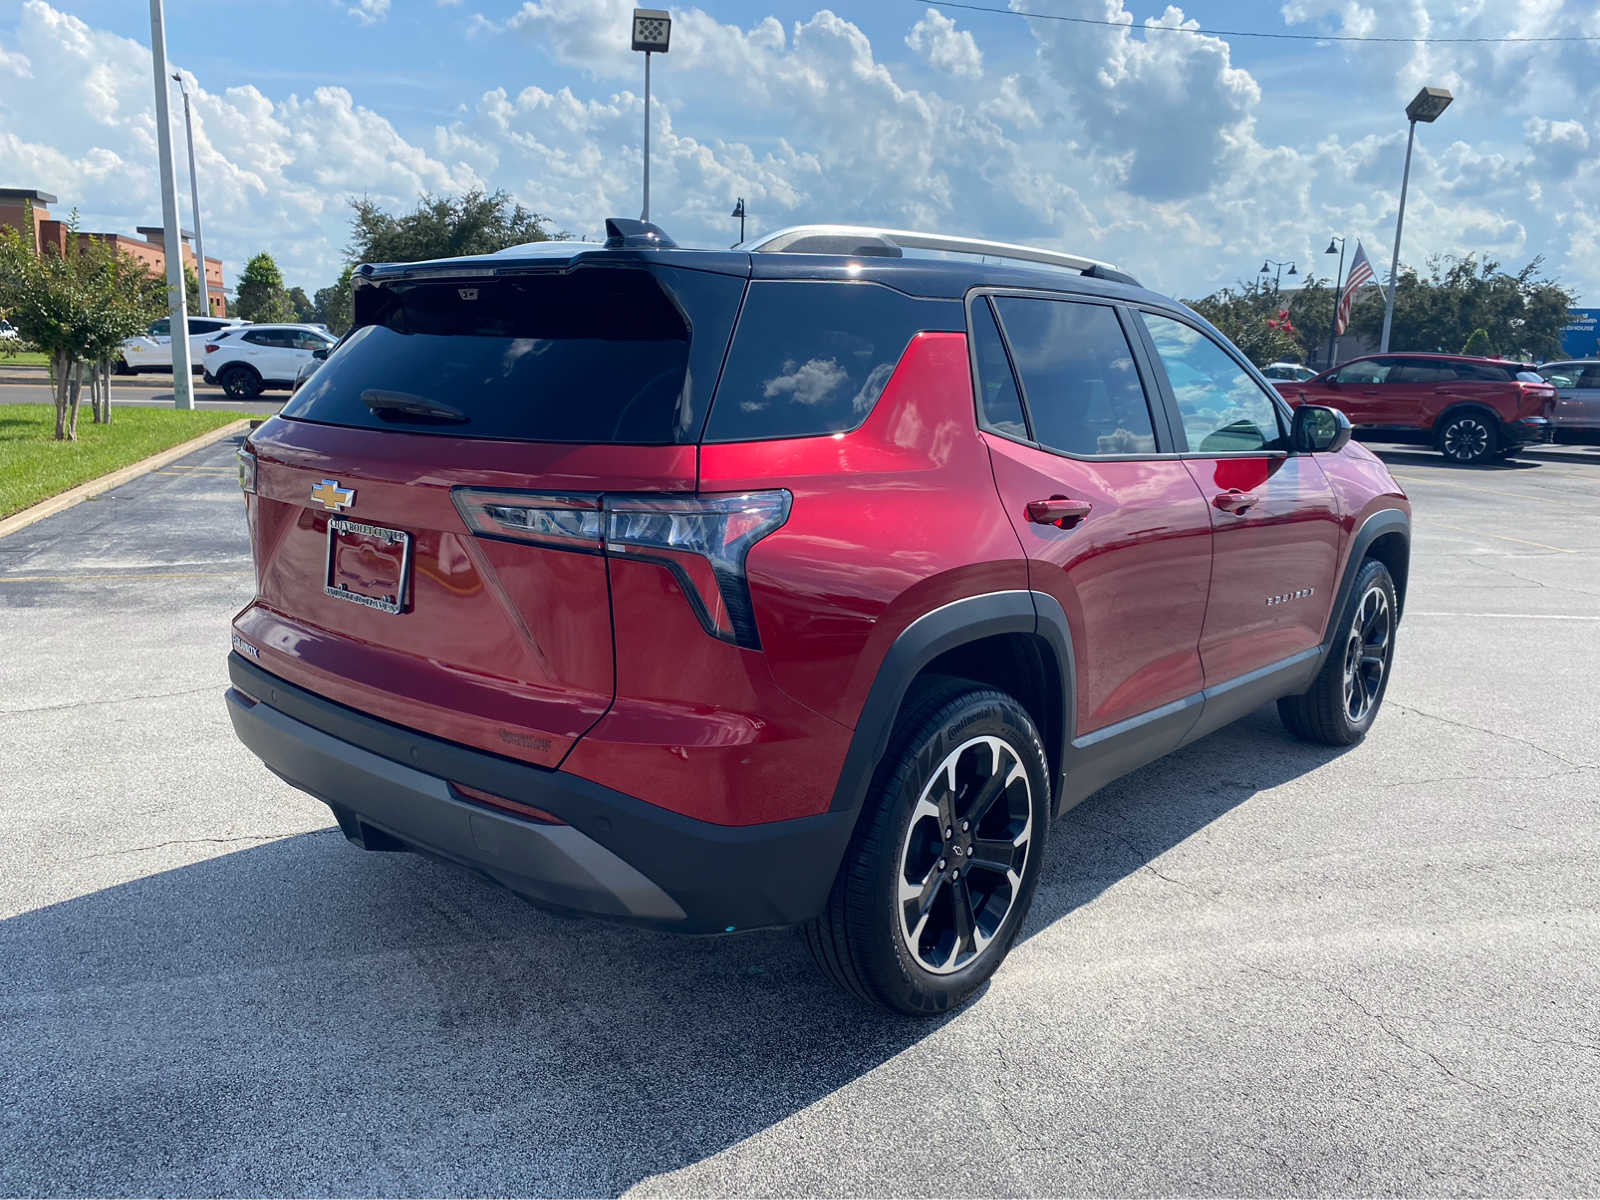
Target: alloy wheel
<point x="964" y="854"/>
<point x="1466" y="439"/>
<point x="1366" y="655"/>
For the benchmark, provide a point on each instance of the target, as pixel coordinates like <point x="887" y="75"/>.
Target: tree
<point x="1521" y="315"/>
<point x="1478" y="344"/>
<point x="260" y="294"/>
<point x="304" y="310"/>
<point x="442" y="227"/>
<point x="1256" y="318"/>
<point x="77" y="307"/>
<point x="333" y="307"/>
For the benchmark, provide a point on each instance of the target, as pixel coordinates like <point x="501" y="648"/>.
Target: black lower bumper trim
<point x="617" y="857"/>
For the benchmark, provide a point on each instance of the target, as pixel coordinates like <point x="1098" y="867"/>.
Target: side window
<point x="201" y="325"/>
<point x="1477" y="372"/>
<point x="1223" y="409"/>
<point x="1423" y="370"/>
<point x="999" y="405"/>
<point x="1367" y="371"/>
<point x="1590" y="377"/>
<point x="812" y="358"/>
<point x="1082" y="388"/>
<point x="159" y="328"/>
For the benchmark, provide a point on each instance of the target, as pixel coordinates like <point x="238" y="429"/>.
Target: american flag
<point x="1360" y="272"/>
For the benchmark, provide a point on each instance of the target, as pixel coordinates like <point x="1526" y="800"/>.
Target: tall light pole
<point x="652" y="30"/>
<point x="177" y="306"/>
<point x="1333" y="322"/>
<point x="1426" y="105"/>
<point x="194" y="200"/>
<point x="1266" y="269"/>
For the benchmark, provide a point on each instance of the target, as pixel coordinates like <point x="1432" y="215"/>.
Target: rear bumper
<point x="1526" y="432"/>
<point x="617" y="856"/>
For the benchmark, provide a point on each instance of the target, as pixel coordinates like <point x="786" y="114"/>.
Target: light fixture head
<point x="1427" y="104"/>
<point x="1332" y="249"/>
<point x="652" y="30"/>
<point x="738" y="208"/>
<point x="1265" y="269"/>
<point x="1291" y="269"/>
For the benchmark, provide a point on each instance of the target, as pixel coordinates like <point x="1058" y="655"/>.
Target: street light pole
<point x="177" y="307"/>
<point x="1426" y="105"/>
<point x="738" y="211"/>
<point x="1394" y="258"/>
<point x="1277" y="278"/>
<point x="194" y="200"/>
<point x="652" y="33"/>
<point x="645" y="215"/>
<point x="1338" y="276"/>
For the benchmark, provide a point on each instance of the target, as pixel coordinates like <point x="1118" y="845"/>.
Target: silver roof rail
<point x="786" y="239"/>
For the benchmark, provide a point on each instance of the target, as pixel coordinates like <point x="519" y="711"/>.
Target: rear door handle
<point x="1058" y="511"/>
<point x="1234" y="501"/>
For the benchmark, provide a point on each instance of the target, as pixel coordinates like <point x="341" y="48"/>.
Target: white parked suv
<point x="247" y="360"/>
<point x="152" y="349"/>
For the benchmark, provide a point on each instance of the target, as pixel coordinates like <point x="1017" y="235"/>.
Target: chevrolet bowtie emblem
<point x="330" y="495"/>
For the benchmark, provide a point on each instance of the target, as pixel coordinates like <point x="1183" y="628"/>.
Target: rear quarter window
<point x="812" y="358"/>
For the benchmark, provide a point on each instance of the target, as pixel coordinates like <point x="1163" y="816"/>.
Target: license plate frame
<point x="393" y="605"/>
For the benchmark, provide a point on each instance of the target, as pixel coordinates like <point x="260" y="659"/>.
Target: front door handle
<point x="1234" y="501"/>
<point x="1058" y="511"/>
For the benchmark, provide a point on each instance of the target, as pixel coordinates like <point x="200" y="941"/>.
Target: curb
<point x="77" y="495"/>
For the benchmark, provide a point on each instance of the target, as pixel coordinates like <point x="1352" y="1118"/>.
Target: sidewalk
<point x="18" y="373"/>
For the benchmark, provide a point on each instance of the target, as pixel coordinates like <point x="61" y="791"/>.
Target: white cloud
<point x="936" y="38"/>
<point x="369" y="12"/>
<point x="16" y="63"/>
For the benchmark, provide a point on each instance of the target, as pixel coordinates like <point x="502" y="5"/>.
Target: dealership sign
<point x="1580" y="337"/>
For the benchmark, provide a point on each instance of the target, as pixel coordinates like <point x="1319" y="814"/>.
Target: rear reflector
<point x="702" y="541"/>
<point x="477" y="796"/>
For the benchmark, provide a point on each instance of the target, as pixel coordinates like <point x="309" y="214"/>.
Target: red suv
<point x="803" y="585"/>
<point x="1472" y="409"/>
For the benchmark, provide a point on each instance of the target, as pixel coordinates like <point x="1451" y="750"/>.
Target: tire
<point x="911" y="951"/>
<point x="1342" y="702"/>
<point x="241" y="383"/>
<point x="122" y="367"/>
<point x="1469" y="437"/>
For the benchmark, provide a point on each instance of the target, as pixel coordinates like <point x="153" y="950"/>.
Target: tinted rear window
<point x="812" y="358"/>
<point x="595" y="355"/>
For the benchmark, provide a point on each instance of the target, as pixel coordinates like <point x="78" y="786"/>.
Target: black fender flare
<point x="925" y="639"/>
<point x="1384" y="521"/>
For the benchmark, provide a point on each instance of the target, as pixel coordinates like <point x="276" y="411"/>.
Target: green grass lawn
<point x="24" y="358"/>
<point x="34" y="466"/>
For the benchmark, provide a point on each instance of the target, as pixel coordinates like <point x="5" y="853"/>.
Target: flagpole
<point x="1333" y="325"/>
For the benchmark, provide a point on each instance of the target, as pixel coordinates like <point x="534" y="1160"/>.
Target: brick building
<point x="149" y="250"/>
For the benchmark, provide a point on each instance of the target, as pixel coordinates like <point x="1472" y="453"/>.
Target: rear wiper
<point x="385" y="403"/>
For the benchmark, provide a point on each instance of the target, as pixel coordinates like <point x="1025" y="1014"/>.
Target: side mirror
<point x="1331" y="381"/>
<point x="1318" y="429"/>
<point x="320" y="353"/>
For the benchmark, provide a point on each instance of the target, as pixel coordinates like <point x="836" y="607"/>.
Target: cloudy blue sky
<point x="1185" y="158"/>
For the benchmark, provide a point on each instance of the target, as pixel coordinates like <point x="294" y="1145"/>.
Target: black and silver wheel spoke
<point x="964" y="853"/>
<point x="1367" y="653"/>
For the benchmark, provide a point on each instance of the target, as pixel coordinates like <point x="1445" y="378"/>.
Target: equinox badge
<point x="330" y="495"/>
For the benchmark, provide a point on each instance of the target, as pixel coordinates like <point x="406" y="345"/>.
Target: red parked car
<point x="1471" y="409"/>
<point x="803" y="585"/>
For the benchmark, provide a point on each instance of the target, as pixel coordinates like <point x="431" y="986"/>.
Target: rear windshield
<point x="595" y="355"/>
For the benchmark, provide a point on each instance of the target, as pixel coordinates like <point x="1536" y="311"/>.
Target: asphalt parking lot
<point x="1252" y="967"/>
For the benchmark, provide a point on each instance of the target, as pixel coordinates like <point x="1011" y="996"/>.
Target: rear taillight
<point x="247" y="472"/>
<point x="702" y="541"/>
<point x="211" y="347"/>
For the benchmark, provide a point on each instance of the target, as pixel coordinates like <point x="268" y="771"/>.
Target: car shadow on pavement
<point x="1432" y="458"/>
<point x="303" y="1018"/>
